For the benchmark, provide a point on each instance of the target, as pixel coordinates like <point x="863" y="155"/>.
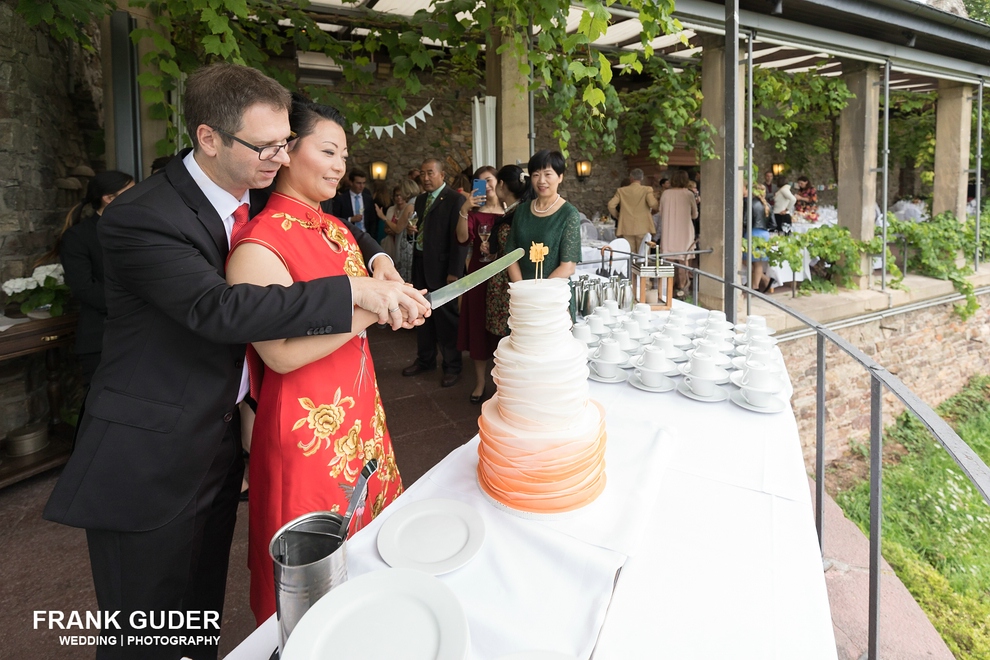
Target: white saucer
<point x="741" y="327"/>
<point x="425" y="620"/>
<point x="623" y="357"/>
<point x="593" y="342"/>
<point x="435" y="536"/>
<point x="740" y="340"/>
<point x="684" y="343"/>
<point x="740" y="363"/>
<point x="721" y="377"/>
<point x="721" y="360"/>
<point x="742" y="349"/>
<point x="635" y="381"/>
<point x="776" y="405"/>
<point x="593" y="375"/>
<point x="723" y="325"/>
<point x="635" y="350"/>
<point x="736" y="379"/>
<point x="719" y="395"/>
<point x="634" y="363"/>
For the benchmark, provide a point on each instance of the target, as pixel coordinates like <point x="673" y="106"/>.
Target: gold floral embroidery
<point x="378" y="505"/>
<point x="387" y="470"/>
<point x="378" y="420"/>
<point x="347" y="448"/>
<point x="335" y="234"/>
<point x="324" y="419"/>
<point x="335" y="508"/>
<point x="354" y="264"/>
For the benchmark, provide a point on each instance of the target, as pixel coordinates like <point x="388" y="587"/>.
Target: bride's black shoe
<point x="479" y="398"/>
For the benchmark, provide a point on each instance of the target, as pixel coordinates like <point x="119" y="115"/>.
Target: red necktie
<point x="240" y="222"/>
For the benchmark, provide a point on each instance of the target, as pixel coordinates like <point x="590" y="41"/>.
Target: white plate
<point x="736" y="379"/>
<point x="776" y="405"/>
<point x="721" y="360"/>
<point x="434" y="536"/>
<point x="741" y="340"/>
<point x="719" y="395"/>
<point x="538" y="655"/>
<point x="593" y="375"/>
<point x="721" y="375"/>
<point x="635" y="381"/>
<point x="425" y="620"/>
<point x="742" y="349"/>
<point x="623" y="357"/>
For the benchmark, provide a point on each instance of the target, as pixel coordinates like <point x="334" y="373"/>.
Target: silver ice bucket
<point x="310" y="560"/>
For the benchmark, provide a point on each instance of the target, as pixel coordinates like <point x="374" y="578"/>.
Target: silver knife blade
<point x="445" y="294"/>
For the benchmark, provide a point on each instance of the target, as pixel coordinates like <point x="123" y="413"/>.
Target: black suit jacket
<point x="341" y="207"/>
<point x="442" y="254"/>
<point x="82" y="258"/>
<point x="162" y="397"/>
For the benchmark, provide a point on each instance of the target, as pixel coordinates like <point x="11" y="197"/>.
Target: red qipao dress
<point x="318" y="425"/>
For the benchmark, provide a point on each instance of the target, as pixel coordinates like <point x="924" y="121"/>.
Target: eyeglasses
<point x="264" y="153"/>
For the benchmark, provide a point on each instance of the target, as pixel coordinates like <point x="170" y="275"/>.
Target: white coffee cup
<point x="634" y="329"/>
<point x="604" y="315"/>
<point x="609" y="351"/>
<point x="642" y="308"/>
<point x="701" y="386"/>
<point x="678" y="313"/>
<point x="754" y="332"/>
<point x="754" y="321"/>
<point x="612" y="306"/>
<point x="708" y="347"/>
<point x="605" y="368"/>
<point x="702" y="365"/>
<point x="664" y="343"/>
<point x="760" y="342"/>
<point x="655" y="358"/>
<point x="596" y="324"/>
<point x="582" y="331"/>
<point x="757" y="375"/>
<point x="715" y="316"/>
<point x="644" y="319"/>
<point x="756" y="355"/>
<point x="675" y="333"/>
<point x="757" y="397"/>
<point x="649" y="377"/>
<point x="626" y="343"/>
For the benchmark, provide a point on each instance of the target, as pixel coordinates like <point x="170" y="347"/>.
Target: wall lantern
<point x="379" y="170"/>
<point x="777" y="169"/>
<point x="583" y="168"/>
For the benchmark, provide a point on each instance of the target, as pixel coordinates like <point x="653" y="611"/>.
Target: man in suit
<point x="634" y="204"/>
<point x="438" y="260"/>
<point x="357" y="204"/>
<point x="157" y="467"/>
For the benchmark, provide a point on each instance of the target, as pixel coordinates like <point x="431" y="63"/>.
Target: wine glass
<point x="484" y="231"/>
<point x="413" y="218"/>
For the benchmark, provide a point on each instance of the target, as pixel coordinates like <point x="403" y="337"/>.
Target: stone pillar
<point x="507" y="82"/>
<point x="953" y="119"/>
<point x="711" y="293"/>
<point x="858" y="155"/>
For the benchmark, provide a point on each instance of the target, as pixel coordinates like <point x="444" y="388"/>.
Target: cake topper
<point x="537" y="251"/>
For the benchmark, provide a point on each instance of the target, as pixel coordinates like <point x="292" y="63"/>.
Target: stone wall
<point x="932" y="351"/>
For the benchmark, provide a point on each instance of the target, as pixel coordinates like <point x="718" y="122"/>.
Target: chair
<point x="588" y="232"/>
<point x="622" y="246"/>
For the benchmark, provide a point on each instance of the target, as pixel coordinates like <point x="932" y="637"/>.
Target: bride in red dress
<point x="320" y="417"/>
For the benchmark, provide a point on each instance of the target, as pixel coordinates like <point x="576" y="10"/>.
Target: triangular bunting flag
<point x="356" y="128"/>
<point x="388" y="129"/>
<point x="419" y="116"/>
<point x="378" y="131"/>
<point x="401" y="127"/>
<point x="428" y="109"/>
<point x="411" y="121"/>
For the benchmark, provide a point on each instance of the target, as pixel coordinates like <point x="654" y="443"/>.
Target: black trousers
<point x="179" y="567"/>
<point x="439" y="330"/>
<point x="88" y="362"/>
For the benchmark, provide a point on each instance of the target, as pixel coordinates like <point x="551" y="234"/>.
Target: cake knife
<point x="445" y="294"/>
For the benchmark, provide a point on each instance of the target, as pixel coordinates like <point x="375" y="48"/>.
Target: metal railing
<point x="972" y="466"/>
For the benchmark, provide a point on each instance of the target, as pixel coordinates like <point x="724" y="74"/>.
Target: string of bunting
<point x="389" y="130"/>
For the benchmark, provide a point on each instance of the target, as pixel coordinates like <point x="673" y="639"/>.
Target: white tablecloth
<point x="708" y="515"/>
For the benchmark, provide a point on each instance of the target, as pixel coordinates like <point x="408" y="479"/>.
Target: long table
<point x="702" y="546"/>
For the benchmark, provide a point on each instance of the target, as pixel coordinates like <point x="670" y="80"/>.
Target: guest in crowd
<point x="438" y="260"/>
<point x="771" y="189"/>
<point x="158" y="164"/>
<point x="157" y="466"/>
<point x="635" y="218"/>
<point x="783" y="205"/>
<point x="414" y="174"/>
<point x="382" y="197"/>
<point x="678" y="210"/>
<point x="355" y="205"/>
<point x="806" y="206"/>
<point x="761" y="219"/>
<point x="548" y="219"/>
<point x="474" y="226"/>
<point x="513" y="189"/>
<point x="398" y="241"/>
<point x="696" y="221"/>
<point x="318" y="401"/>
<point x="82" y="258"/>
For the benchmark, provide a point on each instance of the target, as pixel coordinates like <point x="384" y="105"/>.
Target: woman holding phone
<point x="474" y="226"/>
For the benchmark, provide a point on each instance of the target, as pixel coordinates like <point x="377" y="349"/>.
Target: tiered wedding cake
<point x="542" y="439"/>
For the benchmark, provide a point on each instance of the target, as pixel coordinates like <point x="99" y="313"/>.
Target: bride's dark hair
<point x="305" y="113"/>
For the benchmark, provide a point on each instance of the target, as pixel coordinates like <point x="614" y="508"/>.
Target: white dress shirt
<point x="225" y="204"/>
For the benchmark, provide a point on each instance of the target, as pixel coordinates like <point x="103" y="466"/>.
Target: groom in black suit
<point x="156" y="471"/>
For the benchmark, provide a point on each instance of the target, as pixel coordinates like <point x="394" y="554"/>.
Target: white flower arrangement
<point x="46" y="286"/>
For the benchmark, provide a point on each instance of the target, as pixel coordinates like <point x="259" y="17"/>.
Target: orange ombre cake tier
<point x="542" y="447"/>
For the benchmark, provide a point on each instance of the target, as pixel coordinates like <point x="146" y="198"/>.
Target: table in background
<point x="728" y="565"/>
<point x="26" y="338"/>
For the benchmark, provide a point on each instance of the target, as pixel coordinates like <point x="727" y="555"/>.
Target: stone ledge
<point x="850" y="303"/>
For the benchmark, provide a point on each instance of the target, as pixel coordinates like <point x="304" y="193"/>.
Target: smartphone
<point x="480" y="188"/>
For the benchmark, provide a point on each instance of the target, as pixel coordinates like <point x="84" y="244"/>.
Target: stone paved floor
<point x="46" y="567"/>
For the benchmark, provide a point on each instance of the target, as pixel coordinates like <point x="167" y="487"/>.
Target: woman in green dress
<point x="548" y="219"/>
